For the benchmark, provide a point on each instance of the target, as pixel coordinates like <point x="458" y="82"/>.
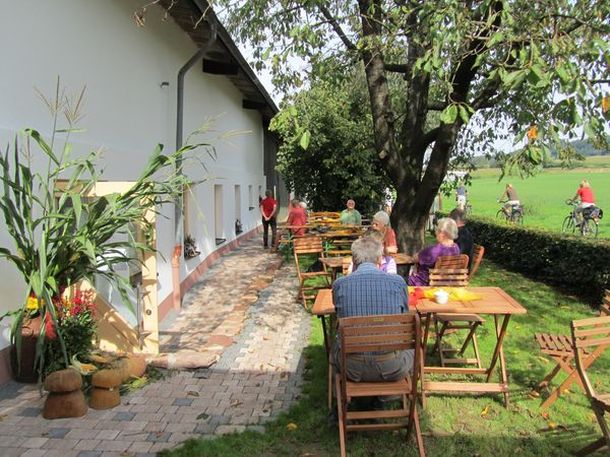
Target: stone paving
<point x="244" y="311"/>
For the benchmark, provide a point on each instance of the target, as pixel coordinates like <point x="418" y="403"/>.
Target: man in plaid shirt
<point x="365" y="292"/>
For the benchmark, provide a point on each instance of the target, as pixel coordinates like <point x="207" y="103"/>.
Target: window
<point x="218" y="215"/>
<point x="238" y="226"/>
<point x="250" y="198"/>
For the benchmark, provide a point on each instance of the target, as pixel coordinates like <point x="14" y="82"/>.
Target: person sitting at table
<point x="464" y="239"/>
<point x="381" y="223"/>
<point x="446" y="232"/>
<point x="369" y="291"/>
<point x="350" y="215"/>
<point x="296" y="217"/>
<point x="387" y="264"/>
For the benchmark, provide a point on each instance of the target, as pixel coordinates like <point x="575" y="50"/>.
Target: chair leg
<point x="340" y="403"/>
<point x="549" y="377"/>
<point x="475" y="345"/>
<point x="439" y="335"/>
<point x="418" y="436"/>
<point x="330" y="385"/>
<point x="589" y="449"/>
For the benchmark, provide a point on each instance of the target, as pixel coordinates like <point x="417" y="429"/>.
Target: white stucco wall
<point x="127" y="110"/>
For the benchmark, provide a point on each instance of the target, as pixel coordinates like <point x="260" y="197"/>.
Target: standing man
<point x="268" y="209"/>
<point x="350" y="215"/>
<point x="464" y="239"/>
<point x="461" y="195"/>
<point x="369" y="291"/>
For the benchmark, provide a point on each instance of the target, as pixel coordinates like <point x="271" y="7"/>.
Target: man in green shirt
<point x="350" y="215"/>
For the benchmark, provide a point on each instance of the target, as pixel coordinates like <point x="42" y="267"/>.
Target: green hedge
<point x="579" y="266"/>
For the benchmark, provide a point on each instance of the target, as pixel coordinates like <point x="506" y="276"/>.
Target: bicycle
<point x="515" y="216"/>
<point x="586" y="224"/>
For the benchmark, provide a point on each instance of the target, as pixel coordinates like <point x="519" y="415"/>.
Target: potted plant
<point x="60" y="234"/>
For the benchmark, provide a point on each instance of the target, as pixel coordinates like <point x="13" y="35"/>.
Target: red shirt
<point x="297" y="216"/>
<point x="389" y="240"/>
<point x="586" y="195"/>
<point x="267" y="204"/>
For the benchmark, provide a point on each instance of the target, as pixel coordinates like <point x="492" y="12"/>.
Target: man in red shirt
<point x="585" y="194"/>
<point x="268" y="207"/>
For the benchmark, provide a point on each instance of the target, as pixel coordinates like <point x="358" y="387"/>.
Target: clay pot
<point x="26" y="370"/>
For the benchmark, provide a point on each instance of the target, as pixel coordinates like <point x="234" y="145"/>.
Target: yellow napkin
<point x="455" y="293"/>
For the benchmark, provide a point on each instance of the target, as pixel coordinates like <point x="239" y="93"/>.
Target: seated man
<point x="350" y="215"/>
<point x="369" y="291"/>
<point x="464" y="239"/>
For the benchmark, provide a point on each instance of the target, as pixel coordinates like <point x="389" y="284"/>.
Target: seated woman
<point x="381" y="223"/>
<point x="446" y="232"/>
<point x="388" y="264"/>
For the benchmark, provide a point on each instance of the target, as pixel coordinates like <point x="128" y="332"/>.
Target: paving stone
<point x="58" y="432"/>
<point x="182" y="402"/>
<point x="124" y="416"/>
<point x="89" y="453"/>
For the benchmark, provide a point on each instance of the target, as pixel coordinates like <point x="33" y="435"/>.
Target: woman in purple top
<point x="446" y="232"/>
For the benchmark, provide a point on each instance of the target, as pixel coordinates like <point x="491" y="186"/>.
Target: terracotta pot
<point x="26" y="371"/>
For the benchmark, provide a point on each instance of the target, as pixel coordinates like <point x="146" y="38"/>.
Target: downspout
<point x="178" y="213"/>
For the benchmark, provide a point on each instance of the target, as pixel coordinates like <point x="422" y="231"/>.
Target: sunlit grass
<point x="453" y="425"/>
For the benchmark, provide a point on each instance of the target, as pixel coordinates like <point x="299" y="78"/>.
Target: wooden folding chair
<point x="385" y="333"/>
<point x="591" y="337"/>
<point x="559" y="348"/>
<point x="453" y="271"/>
<point x="303" y="247"/>
<point x="477" y="256"/>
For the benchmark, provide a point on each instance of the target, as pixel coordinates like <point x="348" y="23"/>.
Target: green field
<point x="543" y="195"/>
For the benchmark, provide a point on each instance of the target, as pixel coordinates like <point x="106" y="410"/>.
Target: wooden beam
<point x="216" y="67"/>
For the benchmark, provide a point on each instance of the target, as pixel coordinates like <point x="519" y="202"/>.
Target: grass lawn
<point x="452" y="425"/>
<point x="543" y="195"/>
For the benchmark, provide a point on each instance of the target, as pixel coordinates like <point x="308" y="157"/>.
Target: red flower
<point x="49" y="327"/>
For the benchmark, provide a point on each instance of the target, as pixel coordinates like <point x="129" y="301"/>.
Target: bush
<point x="578" y="265"/>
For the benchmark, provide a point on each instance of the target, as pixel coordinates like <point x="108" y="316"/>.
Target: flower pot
<point x="26" y="370"/>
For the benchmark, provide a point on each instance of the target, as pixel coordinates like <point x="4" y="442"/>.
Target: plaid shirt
<point x="369" y="291"/>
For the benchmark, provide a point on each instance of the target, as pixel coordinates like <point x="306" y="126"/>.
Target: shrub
<point x="578" y="265"/>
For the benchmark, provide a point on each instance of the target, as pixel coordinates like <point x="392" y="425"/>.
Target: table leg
<point x="326" y="336"/>
<point x="423" y="358"/>
<point x="499" y="353"/>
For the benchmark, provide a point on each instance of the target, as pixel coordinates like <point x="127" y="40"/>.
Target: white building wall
<point x="127" y="109"/>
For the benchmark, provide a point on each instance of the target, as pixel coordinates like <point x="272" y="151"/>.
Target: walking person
<point x="268" y="207"/>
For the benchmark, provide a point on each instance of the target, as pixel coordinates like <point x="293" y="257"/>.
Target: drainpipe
<point x="178" y="214"/>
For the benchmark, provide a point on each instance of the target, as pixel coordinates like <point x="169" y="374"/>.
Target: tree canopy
<point x="469" y="72"/>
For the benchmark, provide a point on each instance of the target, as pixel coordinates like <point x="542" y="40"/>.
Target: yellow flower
<point x="32" y="303"/>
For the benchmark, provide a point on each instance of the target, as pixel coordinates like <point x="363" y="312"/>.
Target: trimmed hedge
<point x="578" y="265"/>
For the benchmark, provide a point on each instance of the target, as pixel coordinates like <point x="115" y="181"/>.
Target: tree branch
<point x="337" y="28"/>
<point x="436" y="106"/>
<point x="397" y="67"/>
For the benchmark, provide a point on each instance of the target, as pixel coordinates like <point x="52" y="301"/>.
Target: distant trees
<point x="327" y="152"/>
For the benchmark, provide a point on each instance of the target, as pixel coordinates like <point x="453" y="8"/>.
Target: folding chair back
<point x="307" y="246"/>
<point x="451" y="262"/>
<point x="384" y="333"/>
<point x="559" y="348"/>
<point x="590" y="338"/>
<point x="457" y="277"/>
<point x="477" y="256"/>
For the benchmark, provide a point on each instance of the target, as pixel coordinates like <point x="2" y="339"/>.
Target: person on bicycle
<point x="460" y="195"/>
<point x="512" y="199"/>
<point x="584" y="194"/>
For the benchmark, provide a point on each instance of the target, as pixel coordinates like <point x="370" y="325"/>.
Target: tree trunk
<point x="409" y="224"/>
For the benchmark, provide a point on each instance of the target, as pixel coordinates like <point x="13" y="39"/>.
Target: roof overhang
<point x="223" y="57"/>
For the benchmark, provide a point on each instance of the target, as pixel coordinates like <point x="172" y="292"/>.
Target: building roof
<point x="223" y="58"/>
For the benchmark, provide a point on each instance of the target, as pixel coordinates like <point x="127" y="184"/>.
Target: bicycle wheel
<point x="568" y="224"/>
<point x="588" y="228"/>
<point x="517" y="218"/>
<point x="501" y="215"/>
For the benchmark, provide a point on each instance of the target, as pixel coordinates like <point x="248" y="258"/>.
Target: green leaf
<point x="304" y="141"/>
<point x="449" y="114"/>
<point x="464" y="114"/>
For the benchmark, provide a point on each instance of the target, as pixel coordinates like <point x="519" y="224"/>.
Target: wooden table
<point x="336" y="263"/>
<point x="494" y="301"/>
